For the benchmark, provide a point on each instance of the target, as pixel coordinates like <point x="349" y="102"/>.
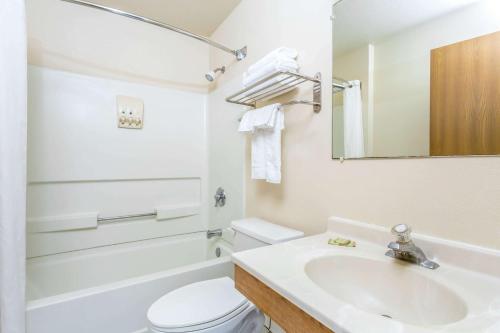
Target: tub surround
<point x="467" y="284"/>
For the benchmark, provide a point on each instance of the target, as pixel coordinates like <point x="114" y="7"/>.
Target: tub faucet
<point x="214" y="233"/>
<point x="404" y="248"/>
<point x="220" y="197"/>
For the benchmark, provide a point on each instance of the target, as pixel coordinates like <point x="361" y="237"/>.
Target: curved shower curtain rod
<point x="240" y="54"/>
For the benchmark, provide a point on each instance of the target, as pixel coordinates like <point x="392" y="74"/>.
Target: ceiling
<point x="199" y="16"/>
<point x="358" y="22"/>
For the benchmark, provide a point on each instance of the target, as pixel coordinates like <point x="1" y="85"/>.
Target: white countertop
<point x="470" y="272"/>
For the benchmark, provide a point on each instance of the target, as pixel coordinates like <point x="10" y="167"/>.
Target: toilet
<point x="215" y="306"/>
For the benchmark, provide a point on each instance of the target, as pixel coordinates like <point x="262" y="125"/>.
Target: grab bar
<point x="162" y="213"/>
<point x="81" y="221"/>
<point x="104" y="220"/>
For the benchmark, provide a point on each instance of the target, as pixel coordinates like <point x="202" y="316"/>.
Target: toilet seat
<point x="197" y="306"/>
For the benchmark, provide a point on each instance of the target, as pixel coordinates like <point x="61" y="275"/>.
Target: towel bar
<point x="276" y="84"/>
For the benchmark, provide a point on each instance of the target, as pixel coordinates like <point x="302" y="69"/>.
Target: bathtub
<point x="109" y="289"/>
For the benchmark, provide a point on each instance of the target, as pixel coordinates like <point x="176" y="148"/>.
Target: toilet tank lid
<point x="265" y="231"/>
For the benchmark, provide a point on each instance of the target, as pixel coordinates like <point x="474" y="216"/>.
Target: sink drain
<point x="386" y="316"/>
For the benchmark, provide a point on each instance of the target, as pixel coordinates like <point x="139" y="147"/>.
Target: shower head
<point x="210" y="76"/>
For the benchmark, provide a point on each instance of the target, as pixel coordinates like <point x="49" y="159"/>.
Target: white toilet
<point x="215" y="306"/>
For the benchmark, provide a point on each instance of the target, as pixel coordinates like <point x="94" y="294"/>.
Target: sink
<point x="360" y="290"/>
<point x="395" y="290"/>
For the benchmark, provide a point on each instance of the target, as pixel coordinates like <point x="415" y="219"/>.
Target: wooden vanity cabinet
<point x="287" y="315"/>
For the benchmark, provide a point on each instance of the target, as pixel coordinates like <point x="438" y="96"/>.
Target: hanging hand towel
<point x="266" y="125"/>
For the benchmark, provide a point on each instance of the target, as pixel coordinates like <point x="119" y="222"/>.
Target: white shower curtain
<point x="13" y="103"/>
<point x="354" y="139"/>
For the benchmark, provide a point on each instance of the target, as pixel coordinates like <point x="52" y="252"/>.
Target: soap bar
<point x="342" y="242"/>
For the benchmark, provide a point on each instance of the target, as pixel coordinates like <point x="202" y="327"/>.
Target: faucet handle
<point x="403" y="232"/>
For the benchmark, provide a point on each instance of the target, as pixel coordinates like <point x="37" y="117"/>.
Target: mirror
<point x="416" y="78"/>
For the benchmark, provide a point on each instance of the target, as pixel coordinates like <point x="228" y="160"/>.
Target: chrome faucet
<point x="404" y="248"/>
<point x="220" y="197"/>
<point x="214" y="233"/>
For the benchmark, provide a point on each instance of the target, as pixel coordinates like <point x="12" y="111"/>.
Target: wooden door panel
<point x="465" y="98"/>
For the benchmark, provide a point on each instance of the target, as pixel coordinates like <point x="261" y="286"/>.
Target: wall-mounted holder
<point x="276" y="84"/>
<point x="130" y="112"/>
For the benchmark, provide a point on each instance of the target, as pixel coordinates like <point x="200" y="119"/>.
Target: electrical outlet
<point x="130" y="112"/>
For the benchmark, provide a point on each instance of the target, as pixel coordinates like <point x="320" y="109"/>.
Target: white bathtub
<point x="108" y="290"/>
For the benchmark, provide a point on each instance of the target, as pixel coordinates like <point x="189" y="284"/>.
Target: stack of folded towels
<point x="281" y="59"/>
<point x="265" y="124"/>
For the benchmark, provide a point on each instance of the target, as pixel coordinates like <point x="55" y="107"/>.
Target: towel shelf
<point x="276" y="84"/>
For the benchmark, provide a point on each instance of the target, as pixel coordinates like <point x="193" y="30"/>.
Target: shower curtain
<point x="13" y="105"/>
<point x="354" y="139"/>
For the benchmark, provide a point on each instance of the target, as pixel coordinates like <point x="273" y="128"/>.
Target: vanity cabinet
<point x="290" y="317"/>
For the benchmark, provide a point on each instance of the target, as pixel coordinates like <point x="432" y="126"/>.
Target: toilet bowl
<point x="207" y="306"/>
<point x="215" y="306"/>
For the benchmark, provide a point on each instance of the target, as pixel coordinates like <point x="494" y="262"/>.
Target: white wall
<point x="455" y="198"/>
<point x="81" y="162"/>
<point x="226" y="156"/>
<point x="88" y="41"/>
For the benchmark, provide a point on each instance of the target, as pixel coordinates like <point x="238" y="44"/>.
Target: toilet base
<point x="251" y="320"/>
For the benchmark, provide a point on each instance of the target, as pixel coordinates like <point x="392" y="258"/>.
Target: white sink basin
<point x="387" y="288"/>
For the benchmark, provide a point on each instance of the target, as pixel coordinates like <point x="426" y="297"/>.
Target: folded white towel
<point x="266" y="125"/>
<point x="281" y="59"/>
<point x="246" y="123"/>
<point x="282" y="53"/>
<point x="262" y="118"/>
<point x="252" y="77"/>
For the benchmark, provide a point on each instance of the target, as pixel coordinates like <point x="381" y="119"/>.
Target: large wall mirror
<point x="416" y="78"/>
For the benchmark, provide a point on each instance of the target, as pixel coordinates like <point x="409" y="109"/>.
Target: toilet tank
<point x="251" y="233"/>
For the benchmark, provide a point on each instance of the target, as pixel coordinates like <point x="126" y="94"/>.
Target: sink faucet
<point x="404" y="248"/>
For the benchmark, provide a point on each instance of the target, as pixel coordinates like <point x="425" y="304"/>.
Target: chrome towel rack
<point x="276" y="84"/>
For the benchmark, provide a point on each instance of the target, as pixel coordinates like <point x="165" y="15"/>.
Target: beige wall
<point x="455" y="198"/>
<point x="78" y="39"/>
